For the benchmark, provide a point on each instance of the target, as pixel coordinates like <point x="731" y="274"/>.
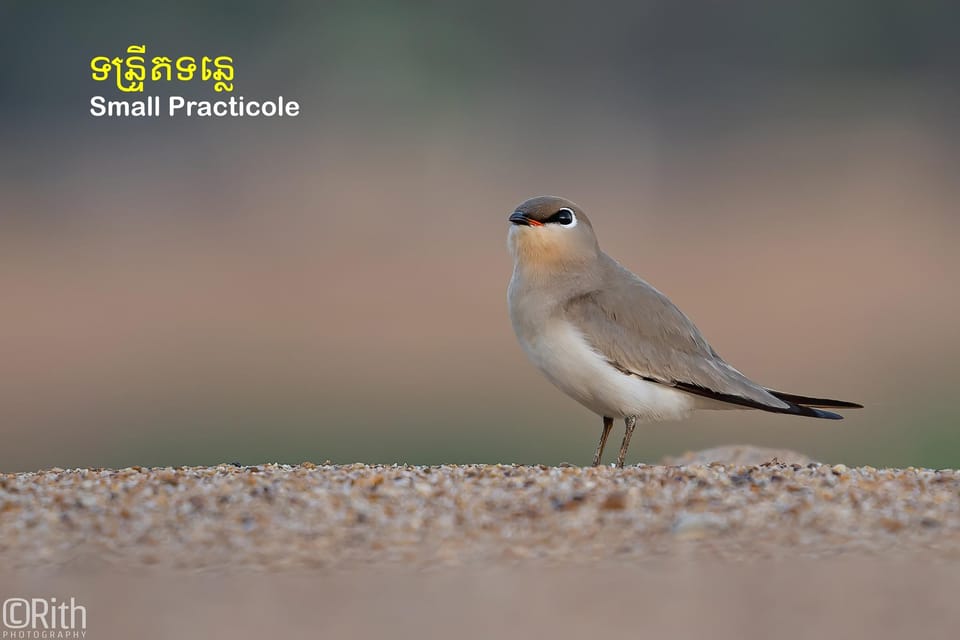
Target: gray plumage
<point x="640" y="332"/>
<point x="612" y="341"/>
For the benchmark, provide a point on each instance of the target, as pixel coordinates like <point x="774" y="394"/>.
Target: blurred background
<point x="194" y="291"/>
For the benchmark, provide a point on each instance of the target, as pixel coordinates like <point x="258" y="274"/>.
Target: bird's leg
<point x="607" y="426"/>
<point x="631" y="423"/>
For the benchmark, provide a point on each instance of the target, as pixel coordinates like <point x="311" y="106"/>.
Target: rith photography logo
<point x="131" y="74"/>
<point x="43" y="618"/>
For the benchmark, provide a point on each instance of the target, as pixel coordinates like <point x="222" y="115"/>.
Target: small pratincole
<point x="611" y="341"/>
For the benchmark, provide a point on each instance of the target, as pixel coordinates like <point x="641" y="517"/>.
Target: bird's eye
<point x="563" y="216"/>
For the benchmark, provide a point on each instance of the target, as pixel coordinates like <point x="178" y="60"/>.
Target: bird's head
<point x="547" y="232"/>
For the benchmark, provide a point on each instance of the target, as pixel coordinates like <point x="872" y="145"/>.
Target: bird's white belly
<point x="565" y="358"/>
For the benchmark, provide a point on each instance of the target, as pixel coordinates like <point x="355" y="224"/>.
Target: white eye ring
<point x="573" y="216"/>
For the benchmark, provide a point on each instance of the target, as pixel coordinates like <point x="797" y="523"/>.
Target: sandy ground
<point x="362" y="551"/>
<point x="272" y="517"/>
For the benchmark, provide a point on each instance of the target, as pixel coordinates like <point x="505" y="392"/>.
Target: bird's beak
<point x="521" y="218"/>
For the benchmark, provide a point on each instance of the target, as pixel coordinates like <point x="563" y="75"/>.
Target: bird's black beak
<point x="521" y="218"/>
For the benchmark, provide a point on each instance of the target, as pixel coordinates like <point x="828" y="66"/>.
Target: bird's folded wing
<point x="640" y="332"/>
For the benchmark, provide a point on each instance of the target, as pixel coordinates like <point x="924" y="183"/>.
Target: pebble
<point x="272" y="516"/>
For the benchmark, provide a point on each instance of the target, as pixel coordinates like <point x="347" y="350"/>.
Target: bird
<point x="613" y="342"/>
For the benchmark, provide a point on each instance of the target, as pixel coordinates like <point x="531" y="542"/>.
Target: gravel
<point x="280" y="517"/>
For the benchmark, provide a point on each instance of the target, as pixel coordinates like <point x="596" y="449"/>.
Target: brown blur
<point x="333" y="287"/>
<point x="856" y="597"/>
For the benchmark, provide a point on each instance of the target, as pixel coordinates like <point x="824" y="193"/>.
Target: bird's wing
<point x="641" y="333"/>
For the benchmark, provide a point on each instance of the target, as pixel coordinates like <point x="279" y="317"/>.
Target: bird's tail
<point x="795" y="405"/>
<point x="805" y="401"/>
